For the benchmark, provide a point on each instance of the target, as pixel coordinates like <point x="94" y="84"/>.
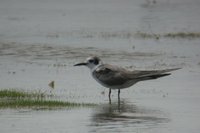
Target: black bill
<point x="80" y="64"/>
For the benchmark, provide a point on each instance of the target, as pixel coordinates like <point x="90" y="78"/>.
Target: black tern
<point x="114" y="77"/>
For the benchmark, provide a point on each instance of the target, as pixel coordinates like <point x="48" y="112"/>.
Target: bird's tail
<point x="168" y="70"/>
<point x="156" y="74"/>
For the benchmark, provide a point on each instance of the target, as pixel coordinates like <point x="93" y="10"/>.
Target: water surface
<point x="40" y="42"/>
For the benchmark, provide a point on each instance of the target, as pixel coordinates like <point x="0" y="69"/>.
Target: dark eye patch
<point x="91" y="61"/>
<point x="96" y="61"/>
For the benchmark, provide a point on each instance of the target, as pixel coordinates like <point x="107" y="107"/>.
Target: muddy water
<point x="40" y="41"/>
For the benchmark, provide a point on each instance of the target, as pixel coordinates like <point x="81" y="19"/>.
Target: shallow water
<point x="41" y="41"/>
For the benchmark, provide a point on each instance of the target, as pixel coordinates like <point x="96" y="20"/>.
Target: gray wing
<point x="111" y="75"/>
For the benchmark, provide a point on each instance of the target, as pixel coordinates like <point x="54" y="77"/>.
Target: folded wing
<point x="153" y="74"/>
<point x="113" y="75"/>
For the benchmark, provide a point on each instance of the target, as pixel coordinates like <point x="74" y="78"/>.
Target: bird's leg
<point x="118" y="95"/>
<point x="109" y="96"/>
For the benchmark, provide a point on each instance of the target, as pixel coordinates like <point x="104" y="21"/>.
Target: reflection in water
<point x="120" y="117"/>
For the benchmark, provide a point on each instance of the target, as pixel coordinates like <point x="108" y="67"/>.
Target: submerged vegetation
<point x="183" y="35"/>
<point x="10" y="98"/>
<point x="133" y="34"/>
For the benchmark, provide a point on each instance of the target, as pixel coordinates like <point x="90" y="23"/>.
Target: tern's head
<point x="91" y="62"/>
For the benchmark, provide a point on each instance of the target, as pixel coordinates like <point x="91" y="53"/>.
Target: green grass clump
<point x="11" y="93"/>
<point x="10" y="98"/>
<point x="34" y="103"/>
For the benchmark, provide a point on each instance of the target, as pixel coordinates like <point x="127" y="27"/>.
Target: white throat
<point x="94" y="67"/>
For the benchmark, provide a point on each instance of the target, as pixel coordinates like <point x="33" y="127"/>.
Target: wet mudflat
<point x="41" y="41"/>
